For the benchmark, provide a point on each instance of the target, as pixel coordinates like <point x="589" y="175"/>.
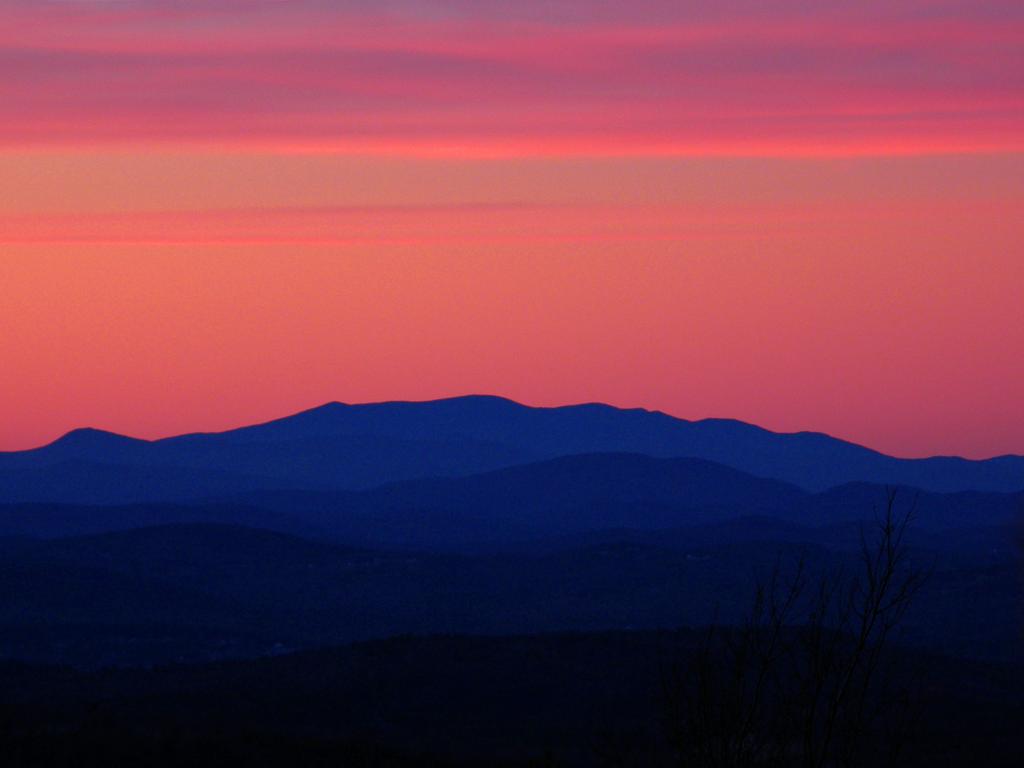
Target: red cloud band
<point x="304" y="75"/>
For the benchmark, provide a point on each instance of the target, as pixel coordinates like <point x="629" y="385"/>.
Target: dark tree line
<point x="805" y="680"/>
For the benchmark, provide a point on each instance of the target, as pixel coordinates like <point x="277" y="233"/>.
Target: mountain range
<point x="471" y="515"/>
<point x="350" y="447"/>
<point x="502" y="509"/>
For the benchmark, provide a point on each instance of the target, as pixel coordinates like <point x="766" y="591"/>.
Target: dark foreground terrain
<point x="560" y="699"/>
<point x="201" y="592"/>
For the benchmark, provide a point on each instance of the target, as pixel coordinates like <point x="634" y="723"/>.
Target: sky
<point x="806" y="215"/>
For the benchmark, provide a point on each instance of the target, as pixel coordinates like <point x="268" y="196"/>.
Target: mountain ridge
<point x="353" y="446"/>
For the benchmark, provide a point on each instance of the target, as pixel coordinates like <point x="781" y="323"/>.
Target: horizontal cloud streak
<point x="413" y="224"/>
<point x="383" y="226"/>
<point x="403" y="77"/>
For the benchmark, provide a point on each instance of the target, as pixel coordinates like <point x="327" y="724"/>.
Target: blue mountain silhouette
<point x="339" y="446"/>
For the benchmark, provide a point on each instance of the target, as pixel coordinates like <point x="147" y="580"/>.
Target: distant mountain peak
<point x="90" y="436"/>
<point x="337" y="406"/>
<point x="455" y="400"/>
<point x="333" y="405"/>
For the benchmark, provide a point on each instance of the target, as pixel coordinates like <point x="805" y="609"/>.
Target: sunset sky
<point x="807" y="215"/>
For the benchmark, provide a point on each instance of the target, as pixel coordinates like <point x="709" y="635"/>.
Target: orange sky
<point x="217" y="213"/>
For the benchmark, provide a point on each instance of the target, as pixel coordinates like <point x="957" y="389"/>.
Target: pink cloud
<point x="353" y="76"/>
